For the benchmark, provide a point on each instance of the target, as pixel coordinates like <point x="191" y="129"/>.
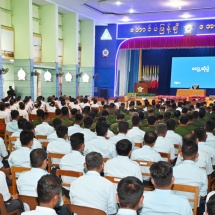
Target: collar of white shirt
<point x="170" y="131"/>
<point x="25" y="148"/>
<point x="147" y="147"/>
<point x="100" y="137"/>
<point x="124" y="211"/>
<point x="135" y="127"/>
<point x="45" y="210"/>
<point x="163" y="192"/>
<point x="121" y="135"/>
<point x="209" y="133"/>
<point x="76" y="152"/>
<point x="75" y="125"/>
<point x="33" y="169"/>
<point x="45" y="123"/>
<point x="93" y="173"/>
<point x="123" y="157"/>
<point x="188" y="162"/>
<point x="201" y="143"/>
<point x="160" y="138"/>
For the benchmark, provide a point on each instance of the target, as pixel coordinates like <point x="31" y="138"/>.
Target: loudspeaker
<point x="104" y="93"/>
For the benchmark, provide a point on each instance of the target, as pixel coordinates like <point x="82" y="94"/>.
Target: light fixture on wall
<point x="21" y="75"/>
<point x="47" y="76"/>
<point x="3" y="71"/>
<point x="60" y="74"/>
<point x="35" y="73"/>
<point x="79" y="75"/>
<point x="68" y="77"/>
<point x="95" y="76"/>
<point x="86" y="78"/>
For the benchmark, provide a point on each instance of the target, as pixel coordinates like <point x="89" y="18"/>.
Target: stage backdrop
<point x="153" y="65"/>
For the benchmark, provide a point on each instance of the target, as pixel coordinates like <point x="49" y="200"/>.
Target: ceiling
<point x="113" y="11"/>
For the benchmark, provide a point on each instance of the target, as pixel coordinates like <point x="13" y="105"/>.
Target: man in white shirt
<point x="27" y="181"/>
<point x="129" y="195"/>
<point x="21" y="123"/>
<point x="136" y="134"/>
<point x="123" y="130"/>
<point x="209" y="126"/>
<point x="201" y="136"/>
<point x="21" y="156"/>
<point x="77" y="125"/>
<point x="73" y="161"/>
<point x="3" y="114"/>
<point x="10" y="204"/>
<point x="121" y="166"/>
<point x="147" y="153"/>
<point x="49" y="195"/>
<point x="13" y="125"/>
<point x="44" y="128"/>
<point x="60" y="146"/>
<point x="188" y="173"/>
<point x="95" y="105"/>
<point x="101" y="196"/>
<point x="53" y="136"/>
<point x="88" y="134"/>
<point x="163" y="200"/>
<point x="171" y="136"/>
<point x="100" y="143"/>
<point x="161" y="144"/>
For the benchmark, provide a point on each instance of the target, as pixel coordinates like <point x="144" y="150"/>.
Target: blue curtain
<point x="134" y="69"/>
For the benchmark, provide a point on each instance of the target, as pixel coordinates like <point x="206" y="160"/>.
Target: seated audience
<point x="101" y="196"/>
<point x="88" y="134"/>
<point x="147" y="153"/>
<point x="51" y="107"/>
<point x="21" y="156"/>
<point x="57" y="115"/>
<point x="53" y="136"/>
<point x="100" y="143"/>
<point x="209" y="127"/>
<point x="13" y="125"/>
<point x="129" y="195"/>
<point x="163" y="200"/>
<point x="121" y="166"/>
<point x="44" y="128"/>
<point x="3" y="114"/>
<point x="65" y="117"/>
<point x="77" y="125"/>
<point x="39" y="120"/>
<point x="114" y="127"/>
<point x="20" y="123"/>
<point x="151" y="124"/>
<point x="22" y="111"/>
<point x="182" y="128"/>
<point x="73" y="161"/>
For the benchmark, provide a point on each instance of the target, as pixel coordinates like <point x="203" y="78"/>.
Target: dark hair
<point x="211" y="205"/>
<point x="171" y="124"/>
<point x="93" y="160"/>
<point x="130" y="190"/>
<point x="167" y="115"/>
<point x="48" y="186"/>
<point x="45" y="116"/>
<point x="77" y="140"/>
<point x="189" y="148"/>
<point x="123" y="147"/>
<point x="21" y="105"/>
<point x="58" y="112"/>
<point x="78" y="118"/>
<point x="21" y="123"/>
<point x="37" y="157"/>
<point x="161" y="128"/>
<point x="88" y="121"/>
<point x="135" y="120"/>
<point x="61" y="131"/>
<point x="40" y="112"/>
<point x="28" y="126"/>
<point x="151" y="120"/>
<point x="177" y="113"/>
<point x="14" y="114"/>
<point x="101" y="128"/>
<point x="184" y="120"/>
<point x="105" y="113"/>
<point x="74" y="111"/>
<point x="64" y="111"/>
<point x="57" y="122"/>
<point x="150" y="137"/>
<point x="120" y="116"/>
<point x="26" y="137"/>
<point x="202" y="113"/>
<point x="161" y="172"/>
<point x="210" y="125"/>
<point x="123" y="127"/>
<point x="200" y="133"/>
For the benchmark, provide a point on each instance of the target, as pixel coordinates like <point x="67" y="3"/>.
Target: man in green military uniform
<point x="114" y="127"/>
<point x="182" y="128"/>
<point x="65" y="117"/>
<point x="57" y="115"/>
<point x="38" y="121"/>
<point x="152" y="124"/>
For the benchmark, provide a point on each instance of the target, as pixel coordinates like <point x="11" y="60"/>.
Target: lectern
<point x="141" y="87"/>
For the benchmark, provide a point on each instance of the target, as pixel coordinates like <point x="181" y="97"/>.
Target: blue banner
<point x="160" y="29"/>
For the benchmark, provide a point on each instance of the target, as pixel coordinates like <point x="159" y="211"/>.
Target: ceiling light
<point x="118" y="3"/>
<point x="125" y="19"/>
<point x="186" y="16"/>
<point x="131" y="10"/>
<point x="176" y="3"/>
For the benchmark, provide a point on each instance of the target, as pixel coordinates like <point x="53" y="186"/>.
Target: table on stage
<point x="190" y="92"/>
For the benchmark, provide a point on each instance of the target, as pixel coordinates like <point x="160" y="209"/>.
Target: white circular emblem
<point x="105" y="53"/>
<point x="21" y="75"/>
<point x="47" y="76"/>
<point x="68" y="77"/>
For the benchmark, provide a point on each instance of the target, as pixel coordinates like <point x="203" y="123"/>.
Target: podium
<point x="141" y="87"/>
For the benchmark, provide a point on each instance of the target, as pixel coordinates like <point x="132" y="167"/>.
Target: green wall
<point x="8" y="78"/>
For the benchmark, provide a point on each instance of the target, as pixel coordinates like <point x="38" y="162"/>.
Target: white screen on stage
<point x="189" y="71"/>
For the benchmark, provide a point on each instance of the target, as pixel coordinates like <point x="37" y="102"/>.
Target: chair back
<point x="105" y="159"/>
<point x="177" y="149"/>
<point x="30" y="200"/>
<point x="44" y="145"/>
<point x="2" y="127"/>
<point x="14" y="170"/>
<point x="7" y="134"/>
<point x="3" y="210"/>
<point x="139" y="145"/>
<point x="11" y="140"/>
<point x="69" y="173"/>
<point x="81" y="210"/>
<point x="41" y="137"/>
<point x="165" y="155"/>
<point x="50" y="157"/>
<point x="32" y="117"/>
<point x="144" y="164"/>
<point x="113" y="179"/>
<point x="189" y="189"/>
